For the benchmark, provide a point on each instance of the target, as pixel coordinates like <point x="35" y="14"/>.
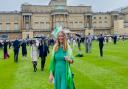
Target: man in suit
<point x="101" y="44"/>
<point x="79" y="43"/>
<point x="88" y="43"/>
<point x="16" y="46"/>
<point x="24" y="49"/>
<point x="115" y="39"/>
<point x="43" y="51"/>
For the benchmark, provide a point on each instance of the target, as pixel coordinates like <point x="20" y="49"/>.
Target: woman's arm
<point x="70" y="60"/>
<point x="50" y="77"/>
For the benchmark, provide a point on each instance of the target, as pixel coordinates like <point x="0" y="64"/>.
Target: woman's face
<point x="61" y="37"/>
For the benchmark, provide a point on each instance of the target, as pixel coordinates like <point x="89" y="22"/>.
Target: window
<point x="100" y="21"/>
<point x="71" y="24"/>
<point x="7" y="19"/>
<point x="94" y="22"/>
<point x="105" y="17"/>
<point x="48" y="25"/>
<point x="94" y="17"/>
<point x="81" y="25"/>
<point x="80" y="22"/>
<point x="41" y="25"/>
<point x="0" y="26"/>
<point x="7" y="26"/>
<point x="27" y="26"/>
<point x="27" y="19"/>
<point x="75" y="22"/>
<point x="16" y="26"/>
<point x="99" y="17"/>
<point x="125" y="24"/>
<point x="105" y="22"/>
<point x="15" y="19"/>
<point x="36" y="23"/>
<point x="41" y="22"/>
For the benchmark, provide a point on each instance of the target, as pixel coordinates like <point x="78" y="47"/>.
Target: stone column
<point x="85" y="21"/>
<point x="24" y="21"/>
<point x="52" y="23"/>
<point x="29" y="21"/>
<point x="90" y="21"/>
<point x="66" y="21"/>
<point x="54" y="20"/>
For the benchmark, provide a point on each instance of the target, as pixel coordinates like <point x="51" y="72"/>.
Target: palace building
<point x="33" y="20"/>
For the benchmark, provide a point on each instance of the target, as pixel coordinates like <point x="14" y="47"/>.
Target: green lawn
<point x="91" y="71"/>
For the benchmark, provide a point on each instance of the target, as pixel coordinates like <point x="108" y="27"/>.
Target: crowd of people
<point x="44" y="44"/>
<point x="61" y="57"/>
<point x="39" y="48"/>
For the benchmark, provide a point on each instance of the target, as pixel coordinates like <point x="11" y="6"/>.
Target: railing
<point x="59" y="11"/>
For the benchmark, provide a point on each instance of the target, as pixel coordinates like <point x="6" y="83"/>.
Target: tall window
<point x="81" y="25"/>
<point x="42" y="25"/>
<point x="7" y="26"/>
<point x="15" y="19"/>
<point x="48" y="25"/>
<point x="0" y="26"/>
<point x="36" y="25"/>
<point x="71" y="24"/>
<point x="16" y="26"/>
<point x="7" y="19"/>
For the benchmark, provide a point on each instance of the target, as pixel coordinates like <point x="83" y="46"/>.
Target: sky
<point x="97" y="5"/>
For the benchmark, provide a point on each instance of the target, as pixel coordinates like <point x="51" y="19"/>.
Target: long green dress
<point x="60" y="69"/>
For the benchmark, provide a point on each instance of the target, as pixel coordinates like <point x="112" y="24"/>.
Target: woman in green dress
<point x="60" y="64"/>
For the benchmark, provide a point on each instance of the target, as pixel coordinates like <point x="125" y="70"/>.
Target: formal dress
<point x="60" y="69"/>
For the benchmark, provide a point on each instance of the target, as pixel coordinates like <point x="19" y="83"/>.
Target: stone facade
<point x="35" y="20"/>
<point x="10" y="24"/>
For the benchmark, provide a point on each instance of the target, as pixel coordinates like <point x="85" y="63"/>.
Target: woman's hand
<point x="51" y="78"/>
<point x="67" y="58"/>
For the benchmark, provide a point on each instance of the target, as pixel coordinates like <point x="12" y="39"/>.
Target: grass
<point x="91" y="71"/>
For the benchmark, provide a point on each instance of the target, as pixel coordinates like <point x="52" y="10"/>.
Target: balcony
<point x="59" y="12"/>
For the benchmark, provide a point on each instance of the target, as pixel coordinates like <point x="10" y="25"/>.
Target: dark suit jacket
<point x="101" y="40"/>
<point x="43" y="50"/>
<point x="16" y="45"/>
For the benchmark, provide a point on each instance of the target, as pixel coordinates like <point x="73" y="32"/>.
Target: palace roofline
<point x="10" y="12"/>
<point x="51" y="6"/>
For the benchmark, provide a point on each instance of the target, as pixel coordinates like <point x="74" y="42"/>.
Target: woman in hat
<point x="60" y="63"/>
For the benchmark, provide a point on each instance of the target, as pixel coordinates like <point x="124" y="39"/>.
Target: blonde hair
<point x="57" y="44"/>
